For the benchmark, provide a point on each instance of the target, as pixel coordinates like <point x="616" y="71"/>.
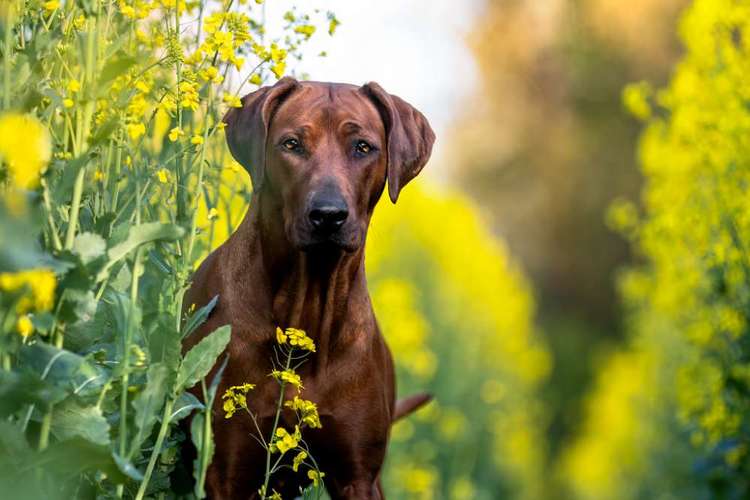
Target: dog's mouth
<point x="346" y="240"/>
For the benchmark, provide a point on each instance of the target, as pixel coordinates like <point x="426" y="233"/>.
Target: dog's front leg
<point x="364" y="489"/>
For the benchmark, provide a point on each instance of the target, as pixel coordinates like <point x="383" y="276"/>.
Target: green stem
<point x="206" y="446"/>
<point x="56" y="243"/>
<point x="126" y="354"/>
<point x="157" y="448"/>
<point x="199" y="189"/>
<point x="75" y="207"/>
<point x="7" y="49"/>
<point x="44" y="431"/>
<point x="279" y="406"/>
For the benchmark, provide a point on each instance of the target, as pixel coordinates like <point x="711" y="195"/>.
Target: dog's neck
<point x="322" y="291"/>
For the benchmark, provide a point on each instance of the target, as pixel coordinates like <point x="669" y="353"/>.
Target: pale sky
<point x="413" y="48"/>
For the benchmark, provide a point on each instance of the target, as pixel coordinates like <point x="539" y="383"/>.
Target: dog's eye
<point x="292" y="145"/>
<point x="362" y="148"/>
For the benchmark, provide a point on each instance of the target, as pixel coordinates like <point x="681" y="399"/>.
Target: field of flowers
<point x="670" y="415"/>
<point x="116" y="182"/>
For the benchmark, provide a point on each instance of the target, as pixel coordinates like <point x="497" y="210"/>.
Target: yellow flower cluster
<point x="225" y="43"/>
<point x="315" y="476"/>
<point x="288" y="376"/>
<point x="40" y="285"/>
<point x="25" y="154"/>
<point x="682" y="371"/>
<point x="308" y="411"/>
<point x="443" y="297"/>
<point x="285" y="441"/>
<point x="295" y="338"/>
<point x="299" y="459"/>
<point x="235" y="398"/>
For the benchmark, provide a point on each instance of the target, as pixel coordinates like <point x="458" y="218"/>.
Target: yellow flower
<point x="74" y="86"/>
<point x="300" y="339"/>
<point x="197" y="140"/>
<point x="68" y="103"/>
<point x="298" y="460"/>
<point x="284" y="441"/>
<point x="332" y="25"/>
<point x="305" y="29"/>
<point x="136" y="130"/>
<point x="98" y="175"/>
<point x="127" y="11"/>
<point x="163" y="175"/>
<point x="232" y="101"/>
<point x="213" y="214"/>
<point x="188" y="94"/>
<point x="280" y="337"/>
<point x="24" y="326"/>
<point x="235" y="398"/>
<point x="41" y="282"/>
<point x="308" y="411"/>
<point x="195" y="58"/>
<point x="277" y="54"/>
<point x="142" y="87"/>
<point x="51" y="6"/>
<point x="255" y="79"/>
<point x="26" y="148"/>
<point x="278" y="69"/>
<point x="79" y="22"/>
<point x="315" y="477"/>
<point x="288" y="376"/>
<point x="175" y="134"/>
<point x="211" y="74"/>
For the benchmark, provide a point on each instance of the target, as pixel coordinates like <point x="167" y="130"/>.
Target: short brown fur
<point x="275" y="271"/>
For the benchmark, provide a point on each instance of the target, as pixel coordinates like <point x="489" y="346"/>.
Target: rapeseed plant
<point x="114" y="182"/>
<point x="293" y="345"/>
<point x="668" y="417"/>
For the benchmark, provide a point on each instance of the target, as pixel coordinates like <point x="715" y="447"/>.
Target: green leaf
<point x="115" y="68"/>
<point x="149" y="402"/>
<point x="199" y="317"/>
<point x="104" y="131"/>
<point x="17" y="481"/>
<point x="122" y="279"/>
<point x="202" y="357"/>
<point x="89" y="246"/>
<point x="71" y="419"/>
<point x="163" y="342"/>
<point x="185" y="405"/>
<point x="62" y="368"/>
<point x="20" y="389"/>
<point x="127" y="468"/>
<point x="71" y="458"/>
<point x="14" y="448"/>
<point x="137" y="236"/>
<point x="215" y="383"/>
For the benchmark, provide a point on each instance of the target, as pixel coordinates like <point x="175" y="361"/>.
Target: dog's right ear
<point x="247" y="127"/>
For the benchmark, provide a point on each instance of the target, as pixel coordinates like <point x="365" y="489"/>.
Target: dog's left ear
<point x="247" y="127"/>
<point x="409" y="136"/>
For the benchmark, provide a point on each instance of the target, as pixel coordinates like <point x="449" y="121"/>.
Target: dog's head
<point x="321" y="153"/>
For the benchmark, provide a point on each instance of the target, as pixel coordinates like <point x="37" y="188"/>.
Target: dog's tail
<point x="405" y="406"/>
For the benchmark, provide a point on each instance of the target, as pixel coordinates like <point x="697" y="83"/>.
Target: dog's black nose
<point x="329" y="217"/>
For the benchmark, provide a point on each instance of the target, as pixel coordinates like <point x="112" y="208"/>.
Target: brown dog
<point x="319" y="155"/>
